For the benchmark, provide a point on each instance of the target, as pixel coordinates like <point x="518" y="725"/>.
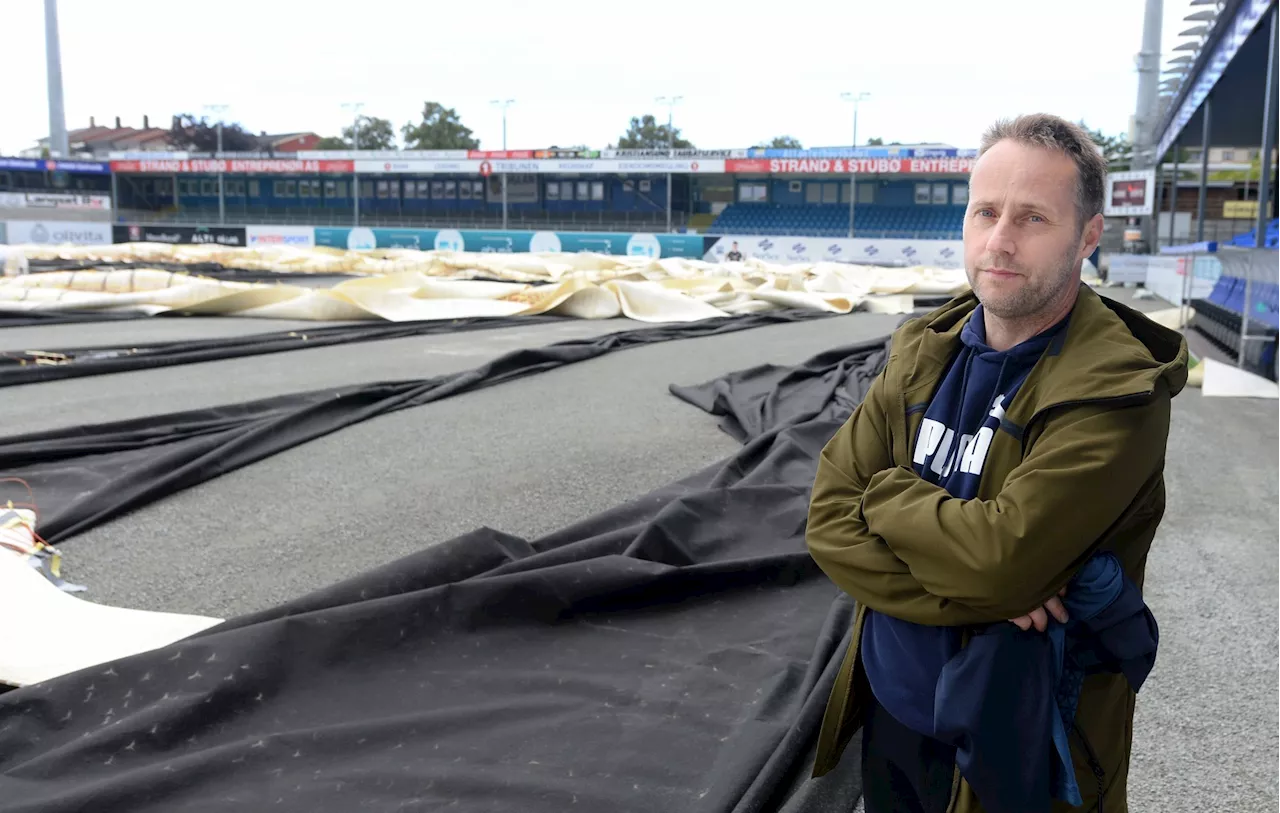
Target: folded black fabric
<point x="672" y="653"/>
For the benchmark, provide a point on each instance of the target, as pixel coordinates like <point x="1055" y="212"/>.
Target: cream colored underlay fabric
<point x="399" y="285"/>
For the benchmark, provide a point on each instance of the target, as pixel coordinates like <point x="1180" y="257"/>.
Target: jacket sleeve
<point x="1007" y="555"/>
<point x="857" y="560"/>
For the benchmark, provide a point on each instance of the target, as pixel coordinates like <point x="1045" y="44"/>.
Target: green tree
<point x="1239" y="175"/>
<point x="646" y="134"/>
<point x="440" y="129"/>
<point x="784" y="142"/>
<point x="375" y="134"/>
<point x="1116" y="149"/>
<point x="875" y="142"/>
<point x="201" y="135"/>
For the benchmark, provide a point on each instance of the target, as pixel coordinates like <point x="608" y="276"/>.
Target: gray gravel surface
<point x="1207" y="719"/>
<point x="98" y="399"/>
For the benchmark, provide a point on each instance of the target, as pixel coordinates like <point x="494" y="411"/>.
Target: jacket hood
<point x="1108" y="351"/>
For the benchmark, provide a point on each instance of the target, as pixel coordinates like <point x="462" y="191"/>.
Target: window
<point x="451" y="190"/>
<point x="566" y="190"/>
<point x="340" y="189"/>
<point x="366" y="189"/>
<point x="477" y="190"/>
<point x="382" y="189"/>
<point x="1228" y="155"/>
<point x="553" y="190"/>
<point x="254" y="189"/>
<point x="794" y="187"/>
<point x="831" y="192"/>
<point x="437" y="189"/>
<point x="960" y="194"/>
<point x="866" y="193"/>
<point x="646" y="185"/>
<point x="206" y="188"/>
<point x="597" y="190"/>
<point x="628" y="185"/>
<point x="1253" y="154"/>
<point x="940" y="191"/>
<point x="923" y="193"/>
<point x="424" y="190"/>
<point x="464" y="190"/>
<point x="584" y="190"/>
<point x="753" y="192"/>
<point x="330" y="188"/>
<point x="813" y="193"/>
<point x="410" y="191"/>
<point x="304" y="189"/>
<point x="290" y="189"/>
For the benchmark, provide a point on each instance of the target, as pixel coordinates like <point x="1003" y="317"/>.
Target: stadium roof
<point x="1230" y="64"/>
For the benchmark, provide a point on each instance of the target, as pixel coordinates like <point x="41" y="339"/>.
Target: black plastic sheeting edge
<point x="33" y="366"/>
<point x="673" y="653"/>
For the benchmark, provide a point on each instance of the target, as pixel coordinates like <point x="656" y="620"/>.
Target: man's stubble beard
<point x="1036" y="294"/>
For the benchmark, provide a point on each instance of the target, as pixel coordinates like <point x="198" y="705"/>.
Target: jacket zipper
<point x="1098" y="773"/>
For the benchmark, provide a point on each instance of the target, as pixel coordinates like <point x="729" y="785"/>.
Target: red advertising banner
<point x="867" y="166"/>
<point x="211" y="165"/>
<point x="503" y="155"/>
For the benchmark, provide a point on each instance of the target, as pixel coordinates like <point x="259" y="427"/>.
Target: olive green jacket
<point x="1077" y="467"/>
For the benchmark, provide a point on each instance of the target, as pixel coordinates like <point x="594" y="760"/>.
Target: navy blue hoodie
<point x="903" y="660"/>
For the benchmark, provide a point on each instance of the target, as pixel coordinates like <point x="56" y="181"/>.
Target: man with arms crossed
<point x="1014" y="433"/>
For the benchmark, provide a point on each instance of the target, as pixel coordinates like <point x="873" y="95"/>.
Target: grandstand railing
<point x="1215" y="231"/>
<point x="558" y="221"/>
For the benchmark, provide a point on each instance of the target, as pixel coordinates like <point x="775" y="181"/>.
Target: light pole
<point x="853" y="176"/>
<point x="670" y="102"/>
<point x="355" y="146"/>
<point x="58" y="147"/>
<point x="219" y="110"/>
<point x="503" y="104"/>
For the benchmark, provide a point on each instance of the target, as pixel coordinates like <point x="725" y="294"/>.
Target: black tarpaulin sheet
<point x="671" y="654"/>
<point x="32" y="366"/>
<point x="82" y="476"/>
<point x="30" y="318"/>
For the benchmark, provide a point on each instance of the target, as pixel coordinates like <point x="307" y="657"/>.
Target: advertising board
<point x="505" y="242"/>
<point x="189" y="235"/>
<point x="57" y="232"/>
<point x="937" y="253"/>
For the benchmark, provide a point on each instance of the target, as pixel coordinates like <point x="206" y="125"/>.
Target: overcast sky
<point x="937" y="70"/>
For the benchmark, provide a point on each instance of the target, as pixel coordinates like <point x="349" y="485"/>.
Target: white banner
<point x="50" y="232"/>
<point x="382" y="155"/>
<point x="937" y="253"/>
<point x="303" y="236"/>
<point x="55" y="200"/>
<point x="475" y="166"/>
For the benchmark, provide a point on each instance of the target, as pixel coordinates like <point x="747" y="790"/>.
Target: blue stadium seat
<point x="831" y="220"/>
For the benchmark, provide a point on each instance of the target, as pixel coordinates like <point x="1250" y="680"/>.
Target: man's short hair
<point x="1054" y="133"/>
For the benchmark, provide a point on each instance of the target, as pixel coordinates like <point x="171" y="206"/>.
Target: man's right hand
<point x="1039" y="617"/>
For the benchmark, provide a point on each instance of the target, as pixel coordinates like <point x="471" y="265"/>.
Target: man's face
<point x="1022" y="239"/>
